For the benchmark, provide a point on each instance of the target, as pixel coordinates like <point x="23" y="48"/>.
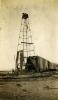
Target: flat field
<point x="45" y="88"/>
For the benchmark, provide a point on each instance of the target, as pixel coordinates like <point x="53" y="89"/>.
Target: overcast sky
<point x="43" y="16"/>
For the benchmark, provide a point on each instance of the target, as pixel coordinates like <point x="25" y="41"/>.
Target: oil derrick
<point x="25" y="46"/>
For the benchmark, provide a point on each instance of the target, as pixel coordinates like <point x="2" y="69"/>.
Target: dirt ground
<point x="30" y="89"/>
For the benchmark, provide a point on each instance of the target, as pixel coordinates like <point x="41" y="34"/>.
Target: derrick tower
<point x="25" y="47"/>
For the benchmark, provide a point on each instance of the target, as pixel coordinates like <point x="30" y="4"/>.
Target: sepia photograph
<point x="28" y="49"/>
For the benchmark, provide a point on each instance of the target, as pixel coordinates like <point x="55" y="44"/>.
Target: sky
<point x="43" y="18"/>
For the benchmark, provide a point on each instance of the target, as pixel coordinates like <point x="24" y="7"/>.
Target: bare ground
<point x="32" y="89"/>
